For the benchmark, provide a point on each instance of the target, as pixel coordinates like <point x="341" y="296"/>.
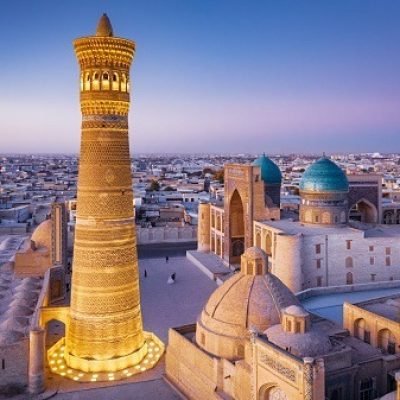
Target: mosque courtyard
<point x="163" y="306"/>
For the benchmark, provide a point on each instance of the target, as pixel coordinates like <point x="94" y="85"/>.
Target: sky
<point x="275" y="76"/>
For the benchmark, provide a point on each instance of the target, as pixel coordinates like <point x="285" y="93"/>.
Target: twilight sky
<point x="211" y="75"/>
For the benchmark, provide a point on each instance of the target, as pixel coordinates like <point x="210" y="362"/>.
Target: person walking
<point x="166" y="259"/>
<point x="145" y="273"/>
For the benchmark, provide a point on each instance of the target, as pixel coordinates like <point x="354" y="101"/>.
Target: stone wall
<point x="166" y="234"/>
<point x="372" y="323"/>
<point x="343" y="257"/>
<point x="14" y="357"/>
<point x="189" y="368"/>
<point x="278" y="370"/>
<point x="203" y="227"/>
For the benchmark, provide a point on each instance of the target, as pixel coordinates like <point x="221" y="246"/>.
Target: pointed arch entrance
<point x="364" y="211"/>
<point x="236" y="227"/>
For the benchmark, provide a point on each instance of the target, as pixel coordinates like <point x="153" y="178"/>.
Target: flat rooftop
<point x="387" y="307"/>
<point x="290" y="227"/>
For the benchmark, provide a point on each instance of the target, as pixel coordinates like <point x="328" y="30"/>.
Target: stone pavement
<point x="163" y="306"/>
<point x="156" y="389"/>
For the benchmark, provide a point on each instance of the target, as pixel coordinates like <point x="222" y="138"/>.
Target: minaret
<point x="104" y="330"/>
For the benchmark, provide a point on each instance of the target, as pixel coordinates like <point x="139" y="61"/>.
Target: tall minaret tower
<point x="104" y="330"/>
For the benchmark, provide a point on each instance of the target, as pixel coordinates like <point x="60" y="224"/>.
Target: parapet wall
<point x="189" y="368"/>
<point x="306" y="294"/>
<point x="166" y="234"/>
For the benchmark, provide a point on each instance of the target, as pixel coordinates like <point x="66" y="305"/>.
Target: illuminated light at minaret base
<point x="104" y="331"/>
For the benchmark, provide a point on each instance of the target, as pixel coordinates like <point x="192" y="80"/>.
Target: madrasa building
<point x="254" y="340"/>
<point x="320" y="247"/>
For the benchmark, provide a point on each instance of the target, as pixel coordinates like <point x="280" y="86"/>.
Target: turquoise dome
<point x="324" y="176"/>
<point x="270" y="172"/>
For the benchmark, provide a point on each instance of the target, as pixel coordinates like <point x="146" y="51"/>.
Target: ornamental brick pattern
<point x="105" y="320"/>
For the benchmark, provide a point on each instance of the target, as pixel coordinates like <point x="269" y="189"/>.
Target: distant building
<point x="253" y="340"/>
<point x="338" y="239"/>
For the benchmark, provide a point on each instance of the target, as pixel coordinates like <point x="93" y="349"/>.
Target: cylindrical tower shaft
<point x="203" y="227"/>
<point x="105" y="325"/>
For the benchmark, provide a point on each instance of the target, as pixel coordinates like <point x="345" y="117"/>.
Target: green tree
<point x="219" y="176"/>
<point x="154" y="186"/>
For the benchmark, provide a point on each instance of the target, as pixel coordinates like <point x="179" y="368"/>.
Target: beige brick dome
<point x="250" y="300"/>
<point x="42" y="235"/>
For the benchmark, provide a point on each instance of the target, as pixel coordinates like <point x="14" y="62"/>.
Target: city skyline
<point x="280" y="78"/>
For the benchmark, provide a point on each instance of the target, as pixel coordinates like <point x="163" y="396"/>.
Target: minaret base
<point x="84" y="370"/>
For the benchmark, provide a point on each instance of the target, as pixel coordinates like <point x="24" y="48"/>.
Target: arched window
<point x="268" y="244"/>
<point x="87" y="81"/>
<point x="258" y="239"/>
<point x="202" y="339"/>
<point x="359" y="328"/>
<point x="96" y="81"/>
<point x="81" y="82"/>
<point x="276" y="393"/>
<point x="387" y="341"/>
<point x="349" y="262"/>
<point x="115" y="81"/>
<point x="349" y="278"/>
<point x="105" y="81"/>
<point x="123" y="83"/>
<point x="326" y="218"/>
<point x="218" y="244"/>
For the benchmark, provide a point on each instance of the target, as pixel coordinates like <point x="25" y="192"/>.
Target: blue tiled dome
<point x="324" y="176"/>
<point x="270" y="172"/>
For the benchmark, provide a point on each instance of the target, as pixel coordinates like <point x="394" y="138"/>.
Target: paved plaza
<point x="163" y="306"/>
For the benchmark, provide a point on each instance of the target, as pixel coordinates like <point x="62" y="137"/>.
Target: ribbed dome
<point x="270" y="172"/>
<point x="324" y="176"/>
<point x="246" y="302"/>
<point x="42" y="235"/>
<point x="251" y="300"/>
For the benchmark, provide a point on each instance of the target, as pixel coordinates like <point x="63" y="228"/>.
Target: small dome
<point x="27" y="295"/>
<point x="309" y="344"/>
<point x="42" y="235"/>
<point x="255" y="253"/>
<point x="18" y="311"/>
<point x="270" y="172"/>
<point x="10" y="337"/>
<point x="104" y="27"/>
<point x="324" y="176"/>
<point x="296" y="311"/>
<point x="18" y="324"/>
<point x="243" y="303"/>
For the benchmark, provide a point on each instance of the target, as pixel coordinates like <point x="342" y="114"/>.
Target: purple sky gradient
<point x="304" y="76"/>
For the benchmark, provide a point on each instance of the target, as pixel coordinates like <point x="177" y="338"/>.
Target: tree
<point x="208" y="170"/>
<point x="154" y="186"/>
<point x="219" y="176"/>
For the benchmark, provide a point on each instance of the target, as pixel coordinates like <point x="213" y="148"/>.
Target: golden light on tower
<point x="104" y="332"/>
